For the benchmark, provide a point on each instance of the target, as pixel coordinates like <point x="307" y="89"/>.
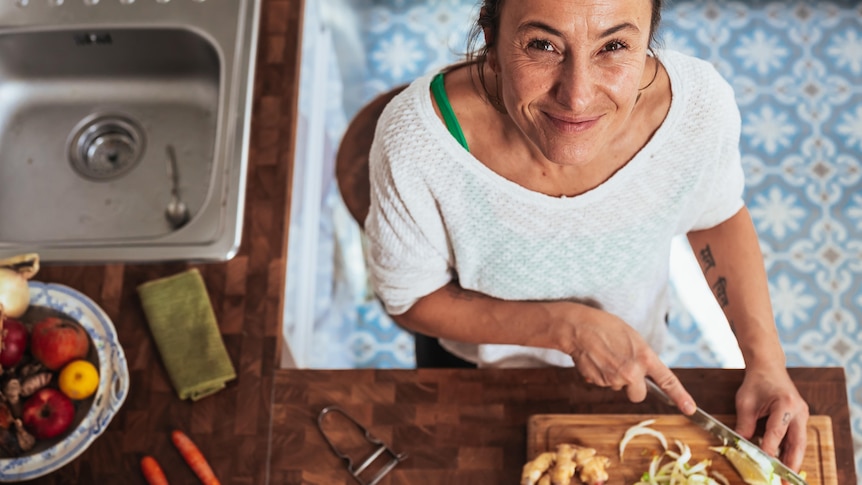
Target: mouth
<point x="572" y="125"/>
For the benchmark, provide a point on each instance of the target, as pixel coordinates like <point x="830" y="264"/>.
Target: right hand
<point x="609" y="353"/>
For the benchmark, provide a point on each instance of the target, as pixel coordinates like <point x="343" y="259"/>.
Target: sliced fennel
<point x="642" y="428"/>
<point x="752" y="471"/>
<point x="671" y="467"/>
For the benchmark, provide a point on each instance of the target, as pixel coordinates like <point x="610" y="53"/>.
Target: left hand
<point x="770" y="393"/>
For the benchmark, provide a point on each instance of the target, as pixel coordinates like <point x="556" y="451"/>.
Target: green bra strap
<point x="438" y="89"/>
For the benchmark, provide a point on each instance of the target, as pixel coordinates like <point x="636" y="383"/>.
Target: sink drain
<point x="104" y="147"/>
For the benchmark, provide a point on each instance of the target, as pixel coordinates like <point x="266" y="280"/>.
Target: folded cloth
<point x="184" y="326"/>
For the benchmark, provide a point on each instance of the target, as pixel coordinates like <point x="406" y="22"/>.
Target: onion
<point x="721" y="478"/>
<point x="677" y="471"/>
<point x="641" y="429"/>
<point x="14" y="293"/>
<point x="14" y="290"/>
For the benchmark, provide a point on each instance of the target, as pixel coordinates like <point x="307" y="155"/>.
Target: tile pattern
<point x="796" y="70"/>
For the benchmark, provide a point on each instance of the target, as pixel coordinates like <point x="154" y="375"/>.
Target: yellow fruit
<point x="79" y="379"/>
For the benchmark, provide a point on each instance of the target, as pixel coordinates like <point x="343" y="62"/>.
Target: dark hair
<point x="489" y="18"/>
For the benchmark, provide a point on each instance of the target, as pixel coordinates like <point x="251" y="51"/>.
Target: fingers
<point x="670" y="384"/>
<point x="787" y="427"/>
<point x="786" y="416"/>
<point x="746" y="422"/>
<point x="793" y="451"/>
<point x="636" y="391"/>
<point x="617" y="357"/>
<point x="631" y="375"/>
<point x="776" y="427"/>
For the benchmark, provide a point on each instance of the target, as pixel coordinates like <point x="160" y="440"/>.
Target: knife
<point x="730" y="437"/>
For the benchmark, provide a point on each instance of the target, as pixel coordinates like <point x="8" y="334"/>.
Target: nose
<point x="576" y="84"/>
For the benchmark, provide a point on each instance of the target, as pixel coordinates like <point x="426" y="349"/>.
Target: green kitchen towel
<point x="182" y="321"/>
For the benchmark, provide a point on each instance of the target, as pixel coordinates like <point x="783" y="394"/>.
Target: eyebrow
<point x="608" y="32"/>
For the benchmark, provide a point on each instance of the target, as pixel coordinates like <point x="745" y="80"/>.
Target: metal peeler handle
<point x="394" y="458"/>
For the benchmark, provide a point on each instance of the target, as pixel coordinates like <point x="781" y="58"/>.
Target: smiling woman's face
<point x="570" y="71"/>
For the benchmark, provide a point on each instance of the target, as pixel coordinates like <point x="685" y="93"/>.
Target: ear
<point x="484" y="21"/>
<point x="490" y="40"/>
<point x="490" y="49"/>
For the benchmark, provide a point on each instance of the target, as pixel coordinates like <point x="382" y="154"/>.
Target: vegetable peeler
<point x="380" y="449"/>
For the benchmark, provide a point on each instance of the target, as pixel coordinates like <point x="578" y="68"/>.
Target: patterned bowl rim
<point x="110" y="395"/>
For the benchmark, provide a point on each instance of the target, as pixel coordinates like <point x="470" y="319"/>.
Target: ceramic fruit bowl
<point x="92" y="414"/>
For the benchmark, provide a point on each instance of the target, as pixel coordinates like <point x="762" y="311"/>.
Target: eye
<point x="615" y="45"/>
<point x="541" y="45"/>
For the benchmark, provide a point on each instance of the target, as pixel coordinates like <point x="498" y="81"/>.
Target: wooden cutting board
<point x="605" y="431"/>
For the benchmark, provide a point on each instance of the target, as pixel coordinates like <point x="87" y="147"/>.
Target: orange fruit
<point x="79" y="379"/>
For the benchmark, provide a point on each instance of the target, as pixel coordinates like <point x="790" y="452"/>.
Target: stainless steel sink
<point x="94" y="97"/>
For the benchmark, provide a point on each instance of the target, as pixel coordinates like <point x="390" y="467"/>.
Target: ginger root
<point x="594" y="469"/>
<point x="534" y="469"/>
<point x="559" y="467"/>
<point x="26" y="441"/>
<point x="34" y="383"/>
<point x="565" y="466"/>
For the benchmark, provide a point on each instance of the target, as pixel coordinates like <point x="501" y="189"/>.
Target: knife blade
<point x="730" y="437"/>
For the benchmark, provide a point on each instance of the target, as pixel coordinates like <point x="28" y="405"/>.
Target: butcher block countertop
<point x="456" y="426"/>
<point x="470" y="426"/>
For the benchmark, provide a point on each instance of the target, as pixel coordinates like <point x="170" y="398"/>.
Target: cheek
<point x="621" y="84"/>
<point x="526" y="80"/>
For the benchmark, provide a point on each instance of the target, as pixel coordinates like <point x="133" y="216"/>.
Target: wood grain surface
<point x="469" y="426"/>
<point x="605" y="431"/>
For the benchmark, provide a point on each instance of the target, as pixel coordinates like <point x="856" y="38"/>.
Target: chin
<point x="577" y="150"/>
<point x="569" y="155"/>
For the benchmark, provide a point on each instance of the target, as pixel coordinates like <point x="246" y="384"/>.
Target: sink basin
<point x="110" y="109"/>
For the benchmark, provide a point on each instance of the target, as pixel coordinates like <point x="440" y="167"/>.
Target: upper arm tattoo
<point x="719" y="287"/>
<point x="720" y="290"/>
<point x="706" y="259"/>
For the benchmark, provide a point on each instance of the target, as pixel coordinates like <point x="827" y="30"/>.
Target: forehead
<point x="571" y="16"/>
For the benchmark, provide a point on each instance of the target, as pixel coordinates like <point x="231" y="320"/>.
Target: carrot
<point x="195" y="459"/>
<point x="152" y="471"/>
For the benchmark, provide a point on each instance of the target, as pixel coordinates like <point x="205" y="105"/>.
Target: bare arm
<point x="605" y="350"/>
<point x="730" y="257"/>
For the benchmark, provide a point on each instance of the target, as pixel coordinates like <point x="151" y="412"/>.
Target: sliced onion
<point x="721" y="478"/>
<point x="700" y="467"/>
<point x="677" y="471"/>
<point x="639" y="429"/>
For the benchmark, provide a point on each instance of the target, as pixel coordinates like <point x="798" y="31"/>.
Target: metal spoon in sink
<point x="177" y="212"/>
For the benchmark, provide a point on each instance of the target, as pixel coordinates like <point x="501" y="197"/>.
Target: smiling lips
<point x="575" y="125"/>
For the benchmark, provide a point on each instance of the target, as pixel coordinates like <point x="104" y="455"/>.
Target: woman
<point x="523" y="205"/>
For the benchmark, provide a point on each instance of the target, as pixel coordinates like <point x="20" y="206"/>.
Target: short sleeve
<point x="407" y="252"/>
<point x="724" y="180"/>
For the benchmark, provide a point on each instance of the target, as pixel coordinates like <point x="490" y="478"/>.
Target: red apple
<point x="47" y="413"/>
<point x="57" y="341"/>
<point x="14" y="342"/>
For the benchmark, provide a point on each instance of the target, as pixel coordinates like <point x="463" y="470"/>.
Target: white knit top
<point x="438" y="213"/>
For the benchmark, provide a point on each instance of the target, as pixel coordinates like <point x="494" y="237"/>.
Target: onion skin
<point x="14" y="293"/>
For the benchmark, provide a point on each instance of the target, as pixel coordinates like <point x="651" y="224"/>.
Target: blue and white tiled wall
<point x="797" y="71"/>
